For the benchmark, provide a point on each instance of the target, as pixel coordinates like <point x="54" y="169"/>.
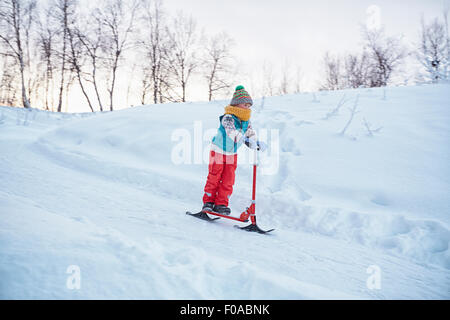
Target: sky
<point x="296" y="33"/>
<point x="300" y="32"/>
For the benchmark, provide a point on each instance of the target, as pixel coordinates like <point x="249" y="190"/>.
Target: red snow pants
<point x="221" y="173"/>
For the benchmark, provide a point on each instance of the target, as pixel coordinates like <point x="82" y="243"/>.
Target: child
<point x="235" y="129"/>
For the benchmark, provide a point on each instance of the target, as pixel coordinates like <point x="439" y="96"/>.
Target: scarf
<point x="241" y="113"/>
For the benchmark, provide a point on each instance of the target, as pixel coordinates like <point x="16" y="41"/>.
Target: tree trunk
<point x="111" y="91"/>
<point x="26" y="102"/>
<point x="94" y="78"/>
<point x="61" y="88"/>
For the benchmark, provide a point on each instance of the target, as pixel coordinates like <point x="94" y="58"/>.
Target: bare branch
<point x="353" y="111"/>
<point x="335" y="111"/>
<point x="370" y="131"/>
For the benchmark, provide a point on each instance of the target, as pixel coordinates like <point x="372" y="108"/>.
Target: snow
<point x="106" y="192"/>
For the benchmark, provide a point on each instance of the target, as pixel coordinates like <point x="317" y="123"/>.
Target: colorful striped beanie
<point x="241" y="96"/>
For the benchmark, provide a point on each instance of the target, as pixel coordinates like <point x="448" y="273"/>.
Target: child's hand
<point x="261" y="146"/>
<point x="252" y="144"/>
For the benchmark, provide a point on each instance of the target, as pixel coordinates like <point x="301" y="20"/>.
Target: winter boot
<point x="208" y="206"/>
<point x="222" y="209"/>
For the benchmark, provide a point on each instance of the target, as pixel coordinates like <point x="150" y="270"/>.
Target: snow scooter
<point x="249" y="211"/>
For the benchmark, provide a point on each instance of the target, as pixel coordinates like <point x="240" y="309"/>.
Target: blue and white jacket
<point x="231" y="134"/>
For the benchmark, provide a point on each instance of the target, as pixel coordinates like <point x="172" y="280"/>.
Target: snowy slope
<point x="105" y="192"/>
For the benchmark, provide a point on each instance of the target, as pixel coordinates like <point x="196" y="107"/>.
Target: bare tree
<point x="46" y="42"/>
<point x="183" y="46"/>
<point x="385" y="54"/>
<point x="76" y="57"/>
<point x="217" y="63"/>
<point x="92" y="39"/>
<point x="433" y="51"/>
<point x="29" y="22"/>
<point x="298" y="80"/>
<point x="63" y="12"/>
<point x="146" y="84"/>
<point x="69" y="83"/>
<point x="167" y="84"/>
<point x="333" y="73"/>
<point x="15" y="18"/>
<point x="130" y="83"/>
<point x="356" y="70"/>
<point x="118" y="19"/>
<point x="113" y="21"/>
<point x="447" y="41"/>
<point x="76" y="60"/>
<point x="285" y="78"/>
<point x="154" y="45"/>
<point x="8" y="91"/>
<point x="268" y="86"/>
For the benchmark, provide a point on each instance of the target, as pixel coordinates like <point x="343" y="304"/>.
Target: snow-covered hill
<point x="107" y="193"/>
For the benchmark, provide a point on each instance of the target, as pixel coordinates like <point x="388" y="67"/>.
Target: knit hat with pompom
<point x="240" y="96"/>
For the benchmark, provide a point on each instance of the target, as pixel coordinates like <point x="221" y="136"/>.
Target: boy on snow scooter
<point x="235" y="129"/>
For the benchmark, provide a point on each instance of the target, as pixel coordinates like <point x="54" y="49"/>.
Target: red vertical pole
<point x="253" y="211"/>
<point x="250" y="211"/>
<point x="254" y="183"/>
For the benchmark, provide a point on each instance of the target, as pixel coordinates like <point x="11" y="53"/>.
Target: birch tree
<point x="46" y="43"/>
<point x="118" y="20"/>
<point x="15" y="18"/>
<point x="333" y="72"/>
<point x="433" y="50"/>
<point x="385" y="54"/>
<point x="153" y="44"/>
<point x="91" y="39"/>
<point x="217" y="63"/>
<point x="182" y="50"/>
<point x="63" y="12"/>
<point x="356" y="70"/>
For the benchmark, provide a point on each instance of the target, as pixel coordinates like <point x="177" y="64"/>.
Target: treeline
<point x="136" y="51"/>
<point x="48" y="48"/>
<point x="382" y="56"/>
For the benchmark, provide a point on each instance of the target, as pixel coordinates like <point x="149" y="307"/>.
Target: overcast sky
<point x="296" y="31"/>
<point x="301" y="31"/>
